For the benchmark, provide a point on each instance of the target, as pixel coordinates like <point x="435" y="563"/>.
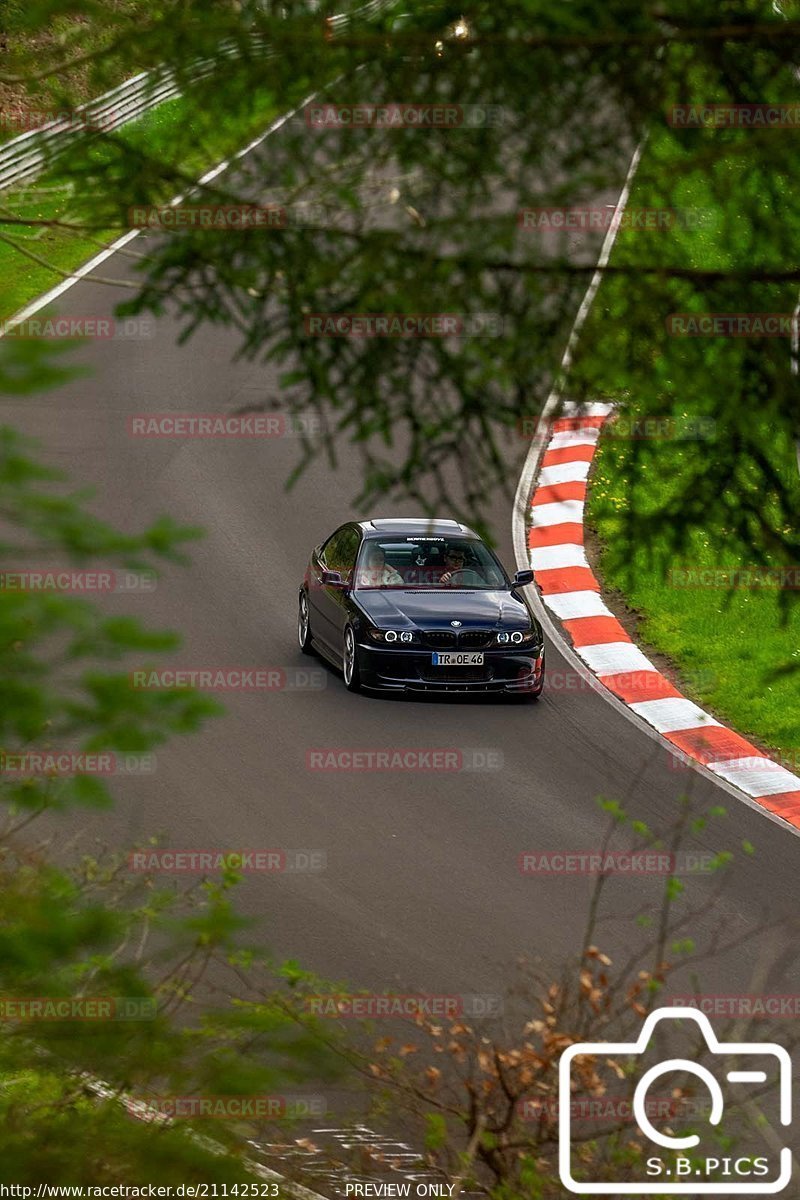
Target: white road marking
<point x="559" y="513"/>
<point x="672" y="713"/>
<point x="567" y="554"/>
<point x="572" y="408"/>
<point x="615" y="658"/>
<point x="568" y="472"/>
<point x="756" y="776"/>
<point x="567" y="605"/>
<point x="574" y="437"/>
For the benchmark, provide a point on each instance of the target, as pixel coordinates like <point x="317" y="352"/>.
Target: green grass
<point x="741" y="647"/>
<point x="736" y="645"/>
<point x="52" y="196"/>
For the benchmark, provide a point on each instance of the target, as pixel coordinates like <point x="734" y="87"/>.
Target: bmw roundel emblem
<point x="456" y="624"/>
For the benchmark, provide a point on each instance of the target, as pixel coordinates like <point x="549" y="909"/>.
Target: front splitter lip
<point x="419" y="687"/>
<point x="510" y="687"/>
<point x="464" y="688"/>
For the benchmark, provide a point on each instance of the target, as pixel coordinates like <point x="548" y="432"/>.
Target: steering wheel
<point x="466" y="578"/>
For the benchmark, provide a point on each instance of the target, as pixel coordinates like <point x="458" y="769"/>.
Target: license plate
<point x="458" y="658"/>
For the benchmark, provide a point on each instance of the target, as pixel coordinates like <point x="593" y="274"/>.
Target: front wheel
<point x="304" y="626"/>
<point x="350" y="669"/>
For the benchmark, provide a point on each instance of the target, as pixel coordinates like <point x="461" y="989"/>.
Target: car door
<point x="346" y="553"/>
<point x="319" y="598"/>
<point x="330" y="604"/>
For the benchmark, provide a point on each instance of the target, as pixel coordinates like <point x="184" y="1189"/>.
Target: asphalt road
<point x="422" y="889"/>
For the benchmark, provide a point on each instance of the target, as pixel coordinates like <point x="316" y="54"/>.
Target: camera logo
<point x="684" y="1165"/>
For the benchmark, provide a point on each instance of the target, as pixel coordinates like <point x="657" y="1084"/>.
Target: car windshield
<point x="428" y="564"/>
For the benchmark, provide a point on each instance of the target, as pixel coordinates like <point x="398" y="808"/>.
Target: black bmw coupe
<point x="420" y="606"/>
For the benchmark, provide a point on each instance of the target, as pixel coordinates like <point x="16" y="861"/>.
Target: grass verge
<point x="695" y="596"/>
<point x="35" y="258"/>
<point x="737" y="648"/>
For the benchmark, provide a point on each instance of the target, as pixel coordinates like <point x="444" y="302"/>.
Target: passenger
<point x="375" y="572"/>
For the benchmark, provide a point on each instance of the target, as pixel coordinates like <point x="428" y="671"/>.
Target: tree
<point x="542" y="107"/>
<point x="103" y="973"/>
<point x="483" y="1096"/>
<point x="546" y="106"/>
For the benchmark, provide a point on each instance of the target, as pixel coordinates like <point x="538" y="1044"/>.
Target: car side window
<point x="340" y="550"/>
<point x="329" y="554"/>
<point x="347" y="551"/>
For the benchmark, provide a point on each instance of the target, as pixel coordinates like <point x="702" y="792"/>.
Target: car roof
<point x="415" y="526"/>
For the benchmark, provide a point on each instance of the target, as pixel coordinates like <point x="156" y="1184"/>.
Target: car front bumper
<point x="401" y="670"/>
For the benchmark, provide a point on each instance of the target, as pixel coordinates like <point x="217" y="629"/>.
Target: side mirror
<point x="522" y="579"/>
<point x="332" y="579"/>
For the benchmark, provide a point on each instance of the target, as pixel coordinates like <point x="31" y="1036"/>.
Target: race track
<point x="422" y="889"/>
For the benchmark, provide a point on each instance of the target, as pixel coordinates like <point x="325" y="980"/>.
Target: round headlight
<point x="406" y="637"/>
<point x="502" y="638"/>
<point x="517" y="637"/>
<point x="390" y="635"/>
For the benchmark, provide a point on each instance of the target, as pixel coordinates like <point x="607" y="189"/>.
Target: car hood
<point x="436" y="609"/>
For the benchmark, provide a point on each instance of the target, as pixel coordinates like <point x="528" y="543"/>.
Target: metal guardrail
<point x="25" y="156"/>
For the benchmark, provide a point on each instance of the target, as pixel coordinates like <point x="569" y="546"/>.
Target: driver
<point x="374" y="571"/>
<point x="454" y="560"/>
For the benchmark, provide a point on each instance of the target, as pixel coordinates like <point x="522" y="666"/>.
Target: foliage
<point x="425" y="220"/>
<point x="94" y="933"/>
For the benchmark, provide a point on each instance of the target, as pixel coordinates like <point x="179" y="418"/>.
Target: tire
<point x="304" y="626"/>
<point x="350" y="668"/>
